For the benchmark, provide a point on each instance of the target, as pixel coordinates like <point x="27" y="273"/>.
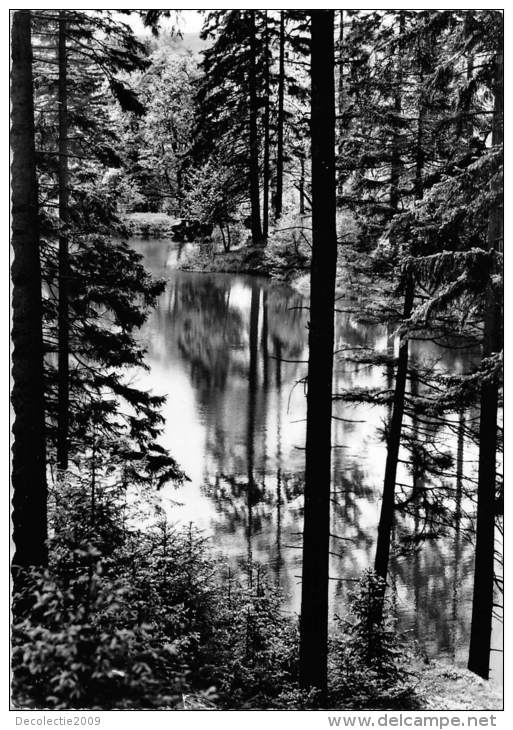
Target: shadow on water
<point x="230" y="352"/>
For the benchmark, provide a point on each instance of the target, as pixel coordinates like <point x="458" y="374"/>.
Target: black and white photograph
<point x="256" y="363"/>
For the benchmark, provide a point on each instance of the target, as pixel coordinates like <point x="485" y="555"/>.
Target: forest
<point x="257" y="337"/>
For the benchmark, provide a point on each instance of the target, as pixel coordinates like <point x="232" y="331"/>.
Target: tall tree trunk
<point x="63" y="313"/>
<point x="225" y="247"/>
<point x="457" y="530"/>
<point x="179" y="188"/>
<point x="419" y="152"/>
<point x="28" y="463"/>
<point x="340" y="101"/>
<point x="267" y="124"/>
<point x="386" y="518"/>
<point x="254" y="183"/>
<point x="316" y="537"/>
<point x="396" y="163"/>
<point x="482" y="605"/>
<point x="302" y="184"/>
<point x="280" y="121"/>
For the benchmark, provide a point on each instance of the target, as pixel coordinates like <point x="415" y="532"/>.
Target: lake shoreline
<point x="252" y="260"/>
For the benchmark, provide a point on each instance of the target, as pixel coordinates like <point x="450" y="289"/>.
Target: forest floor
<point x="445" y="686"/>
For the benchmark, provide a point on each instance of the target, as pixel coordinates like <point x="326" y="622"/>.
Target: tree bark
<point x="396" y="162"/>
<point x="63" y="310"/>
<point x="302" y="184"/>
<point x="254" y="182"/>
<point x="386" y="518"/>
<point x="225" y="247"/>
<point x="267" y="124"/>
<point x="28" y="464"/>
<point x="340" y="102"/>
<point x="482" y="604"/>
<point x="316" y="532"/>
<point x="419" y="151"/>
<point x="280" y="121"/>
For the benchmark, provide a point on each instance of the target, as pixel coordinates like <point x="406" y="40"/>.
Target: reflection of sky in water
<point x="224" y="349"/>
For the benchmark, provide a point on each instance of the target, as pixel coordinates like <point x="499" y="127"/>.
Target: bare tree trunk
<point x="396" y="163"/>
<point x="419" y="152"/>
<point x="482" y="605"/>
<point x="316" y="532"/>
<point x="457" y="530"/>
<point x="28" y="463"/>
<point x="340" y="101"/>
<point x="179" y="187"/>
<point x="254" y="184"/>
<point x="267" y="124"/>
<point x="281" y="121"/>
<point x="302" y="184"/>
<point x="386" y="518"/>
<point x="63" y="313"/>
<point x="225" y="247"/>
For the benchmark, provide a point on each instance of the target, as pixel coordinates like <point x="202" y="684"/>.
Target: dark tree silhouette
<point x="254" y="185"/>
<point x="316" y="533"/>
<point x="28" y="467"/>
<point x="386" y="518"/>
<point x="63" y="307"/>
<point x="281" y="119"/>
<point x="482" y="605"/>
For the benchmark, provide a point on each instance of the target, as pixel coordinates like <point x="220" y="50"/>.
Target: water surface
<point x="230" y="352"/>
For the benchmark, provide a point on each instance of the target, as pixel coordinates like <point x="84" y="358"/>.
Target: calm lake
<point x="229" y="352"/>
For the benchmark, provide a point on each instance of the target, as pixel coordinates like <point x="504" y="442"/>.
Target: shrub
<point x="368" y="665"/>
<point x="126" y="617"/>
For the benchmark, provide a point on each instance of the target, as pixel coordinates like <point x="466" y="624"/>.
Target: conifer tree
<point x="484" y="572"/>
<point x="101" y="317"/>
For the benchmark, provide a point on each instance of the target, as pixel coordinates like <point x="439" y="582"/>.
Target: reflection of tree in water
<point x="352" y="542"/>
<point x="206" y="328"/>
<point x="251" y="497"/>
<point x="287" y="320"/>
<point x="429" y="583"/>
<point x="437" y="579"/>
